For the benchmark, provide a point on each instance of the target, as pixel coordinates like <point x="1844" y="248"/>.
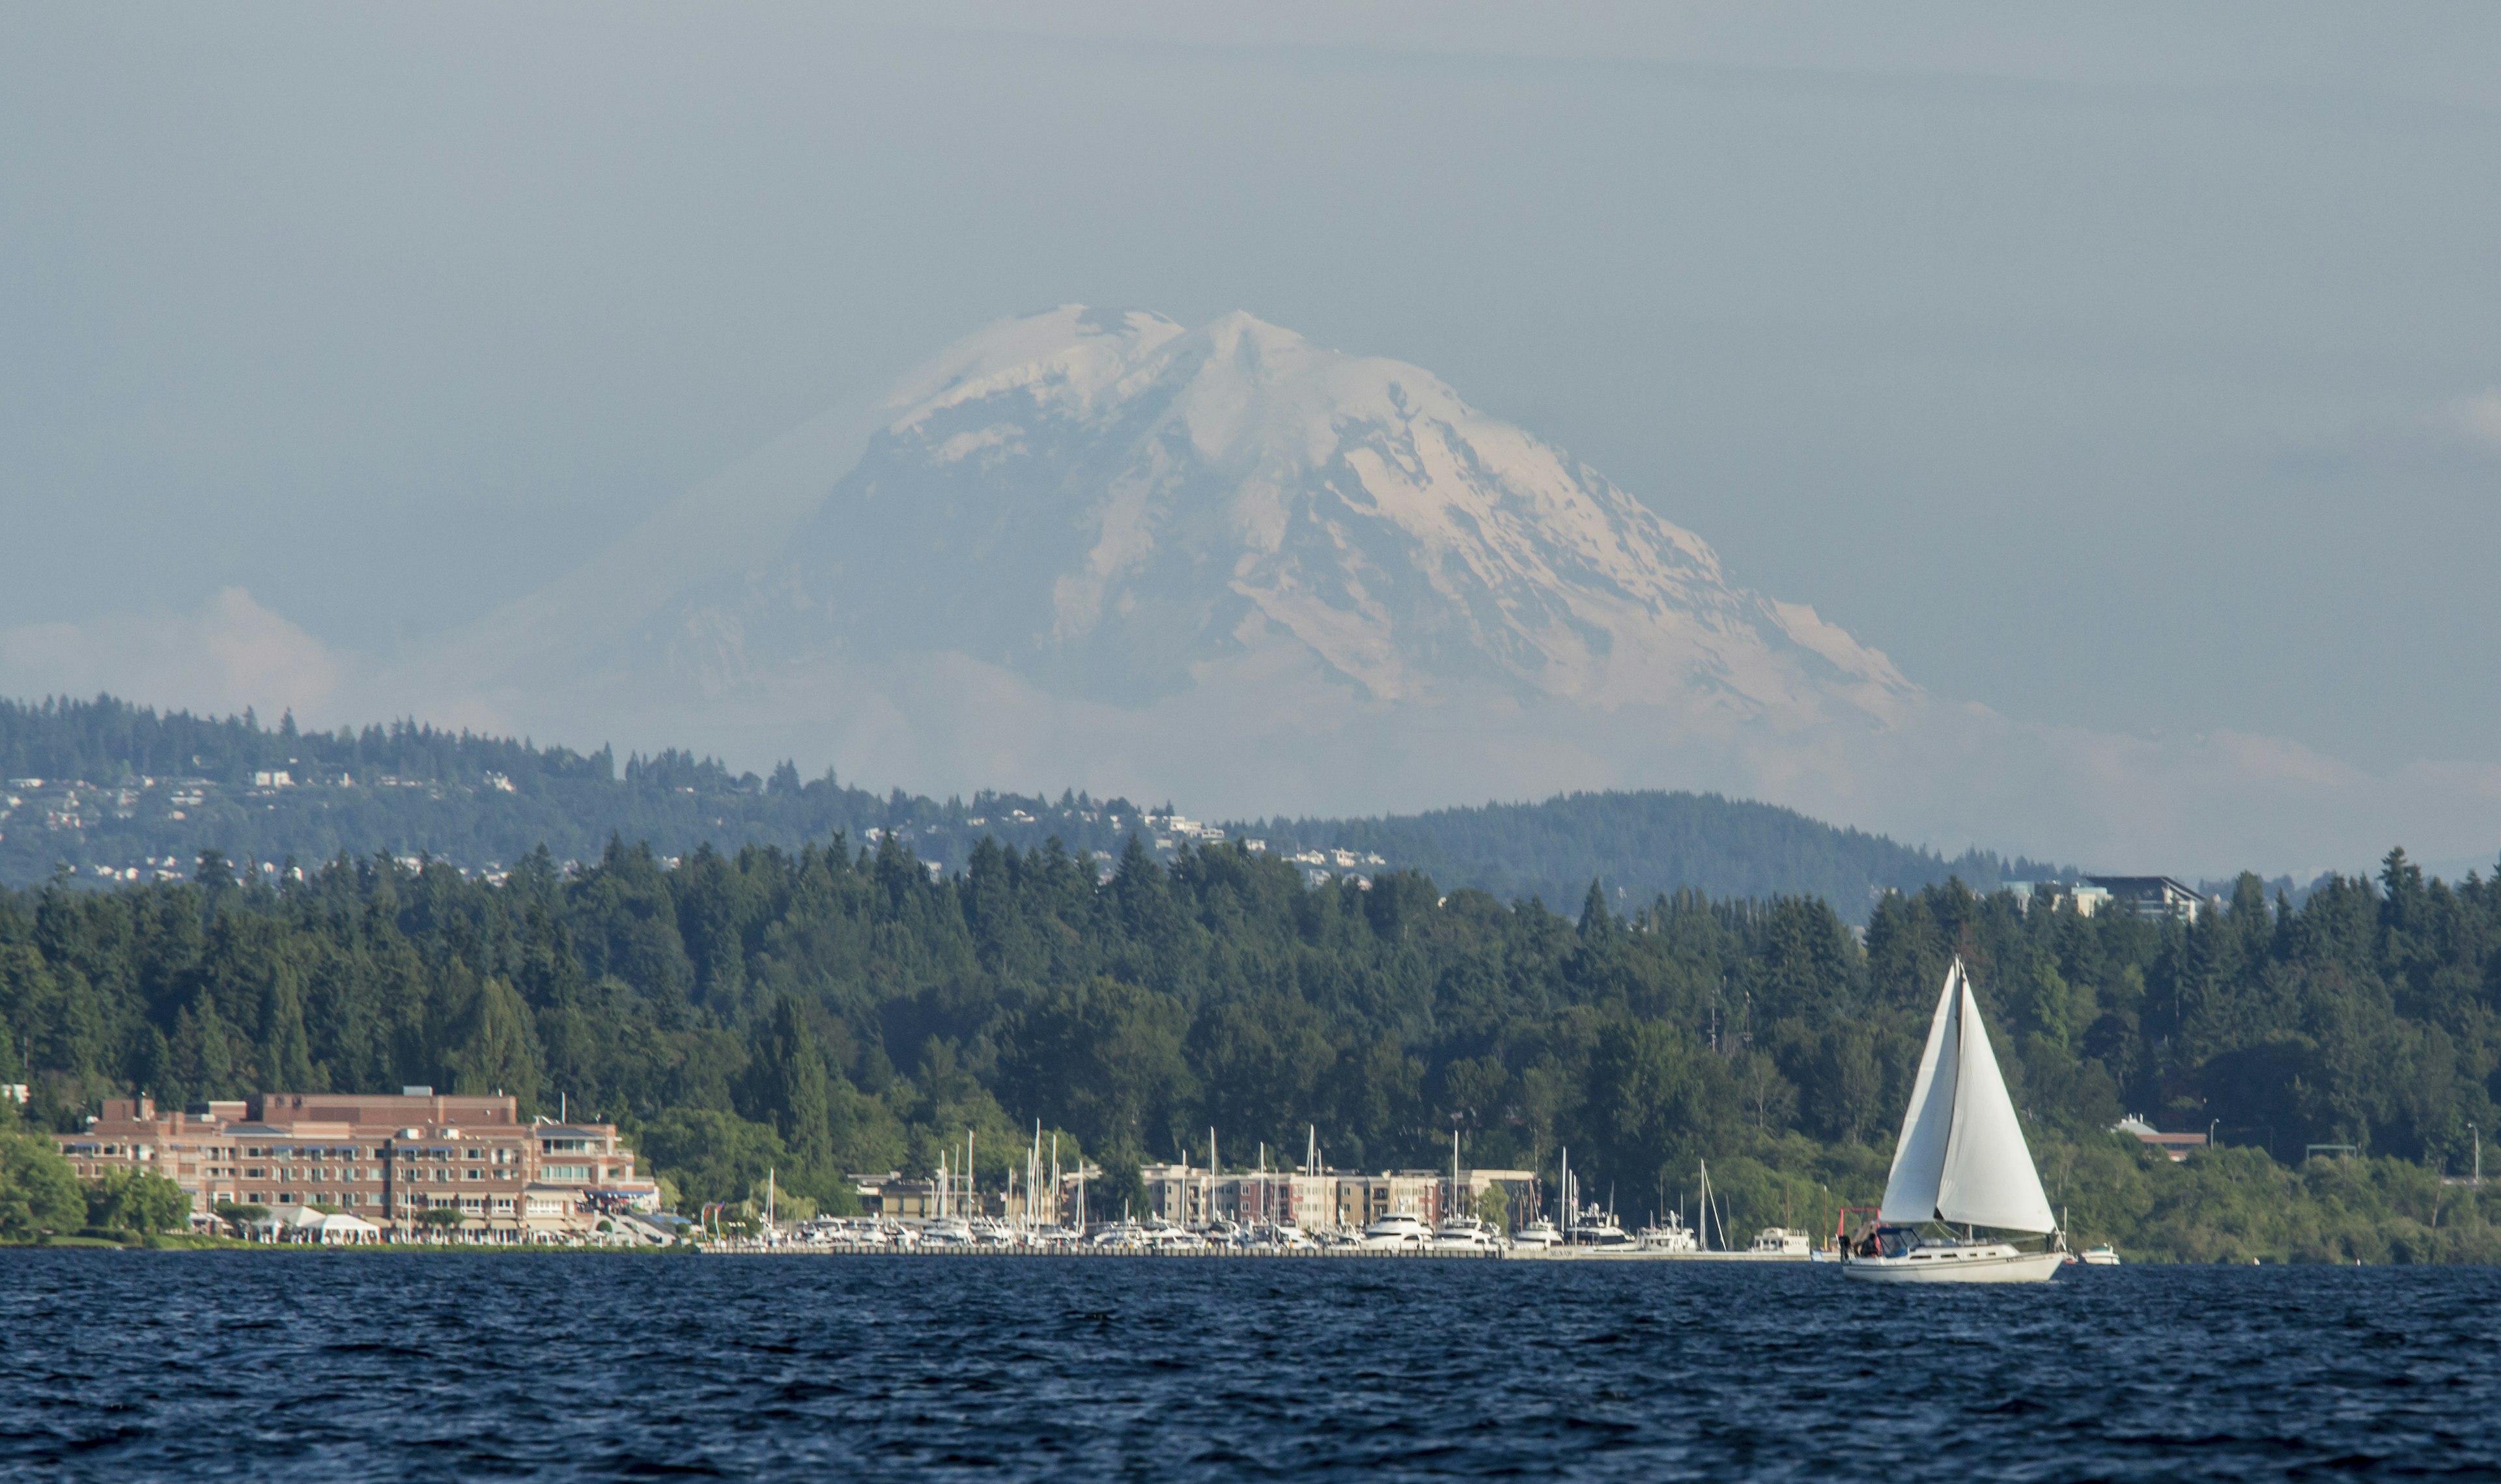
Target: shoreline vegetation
<point x="834" y="1010"/>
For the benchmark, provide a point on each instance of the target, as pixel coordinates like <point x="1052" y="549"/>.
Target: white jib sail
<point x="1920" y="1157"/>
<point x="1989" y="1178"/>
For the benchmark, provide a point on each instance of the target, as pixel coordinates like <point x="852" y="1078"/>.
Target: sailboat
<point x="1962" y="1161"/>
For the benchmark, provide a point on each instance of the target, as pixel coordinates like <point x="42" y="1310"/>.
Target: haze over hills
<point x="1221" y="564"/>
<point x="118" y="792"/>
<point x="1227" y="566"/>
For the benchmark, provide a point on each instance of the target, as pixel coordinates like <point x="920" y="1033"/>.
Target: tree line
<point x="478" y="800"/>
<point x="1645" y="842"/>
<point x="838" y="1009"/>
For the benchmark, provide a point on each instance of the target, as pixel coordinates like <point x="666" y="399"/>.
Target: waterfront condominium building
<point x="388" y="1158"/>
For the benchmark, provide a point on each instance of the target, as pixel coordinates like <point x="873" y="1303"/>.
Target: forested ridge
<point x="172" y="785"/>
<point x="832" y="1008"/>
<point x="1645" y="842"/>
<point x="125" y="787"/>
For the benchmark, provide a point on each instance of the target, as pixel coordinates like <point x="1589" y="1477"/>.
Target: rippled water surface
<point x="122" y="1365"/>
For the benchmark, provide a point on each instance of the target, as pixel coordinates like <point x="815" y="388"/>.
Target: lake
<point x="134" y="1365"/>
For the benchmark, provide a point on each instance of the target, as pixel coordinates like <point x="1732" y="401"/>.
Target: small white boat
<point x="2101" y="1256"/>
<point x="1537" y="1236"/>
<point x="1165" y="1237"/>
<point x="1598" y="1230"/>
<point x="1464" y="1234"/>
<point x="947" y="1230"/>
<point x="1781" y="1244"/>
<point x="1669" y="1239"/>
<point x="1961" y="1160"/>
<point x="1397" y="1231"/>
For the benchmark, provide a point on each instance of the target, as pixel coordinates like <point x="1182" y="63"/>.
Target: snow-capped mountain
<point x="1094" y="549"/>
<point x="1118" y="509"/>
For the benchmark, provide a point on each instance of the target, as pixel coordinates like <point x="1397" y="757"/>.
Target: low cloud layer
<point x="2478" y="418"/>
<point x="225" y="655"/>
<point x="1950" y="775"/>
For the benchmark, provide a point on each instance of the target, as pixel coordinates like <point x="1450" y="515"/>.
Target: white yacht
<point x="1961" y="1161"/>
<point x="1537" y="1236"/>
<point x="1284" y="1233"/>
<point x="1397" y="1231"/>
<point x="2103" y="1255"/>
<point x="1781" y="1244"/>
<point x="1459" y="1233"/>
<point x="947" y="1230"/>
<point x="1671" y="1238"/>
<point x="1595" y="1227"/>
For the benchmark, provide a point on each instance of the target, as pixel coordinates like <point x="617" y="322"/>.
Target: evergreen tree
<point x="497" y="1050"/>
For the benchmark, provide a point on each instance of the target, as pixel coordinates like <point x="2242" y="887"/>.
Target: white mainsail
<point x="1962" y="1156"/>
<point x="1920" y="1157"/>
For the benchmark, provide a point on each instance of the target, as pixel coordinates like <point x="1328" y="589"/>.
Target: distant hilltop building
<point x="389" y="1158"/>
<point x="2144" y="896"/>
<point x="2154" y="896"/>
<point x="2174" y="1147"/>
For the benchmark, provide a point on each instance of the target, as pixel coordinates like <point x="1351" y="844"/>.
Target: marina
<point x="1961" y="1161"/>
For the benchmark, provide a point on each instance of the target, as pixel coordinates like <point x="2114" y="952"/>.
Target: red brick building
<point x="388" y="1158"/>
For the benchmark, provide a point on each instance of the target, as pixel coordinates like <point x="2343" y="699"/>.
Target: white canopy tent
<point x="304" y="1224"/>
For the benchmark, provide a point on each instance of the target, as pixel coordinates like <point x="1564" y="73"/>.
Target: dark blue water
<point x="129" y="1365"/>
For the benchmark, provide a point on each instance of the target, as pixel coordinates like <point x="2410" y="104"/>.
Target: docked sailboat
<point x="1961" y="1161"/>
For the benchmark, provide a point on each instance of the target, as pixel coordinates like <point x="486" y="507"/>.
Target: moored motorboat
<point x="1781" y="1244"/>
<point x="2101" y="1256"/>
<point x="947" y="1230"/>
<point x="1670" y="1238"/>
<point x="1537" y="1236"/>
<point x="1397" y="1231"/>
<point x="1597" y="1229"/>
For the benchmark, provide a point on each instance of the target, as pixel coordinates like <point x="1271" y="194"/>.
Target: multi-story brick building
<point x="389" y="1158"/>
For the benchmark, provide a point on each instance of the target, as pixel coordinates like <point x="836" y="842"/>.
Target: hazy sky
<point x="2138" y="369"/>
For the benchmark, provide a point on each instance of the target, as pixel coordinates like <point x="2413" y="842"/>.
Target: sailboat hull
<point x="1986" y="1263"/>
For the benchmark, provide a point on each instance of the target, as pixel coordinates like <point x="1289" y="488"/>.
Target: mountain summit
<point x="1118" y="509"/>
<point x="1225" y="564"/>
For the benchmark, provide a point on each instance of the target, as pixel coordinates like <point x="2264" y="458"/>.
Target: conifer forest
<point x="837" y="1010"/>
